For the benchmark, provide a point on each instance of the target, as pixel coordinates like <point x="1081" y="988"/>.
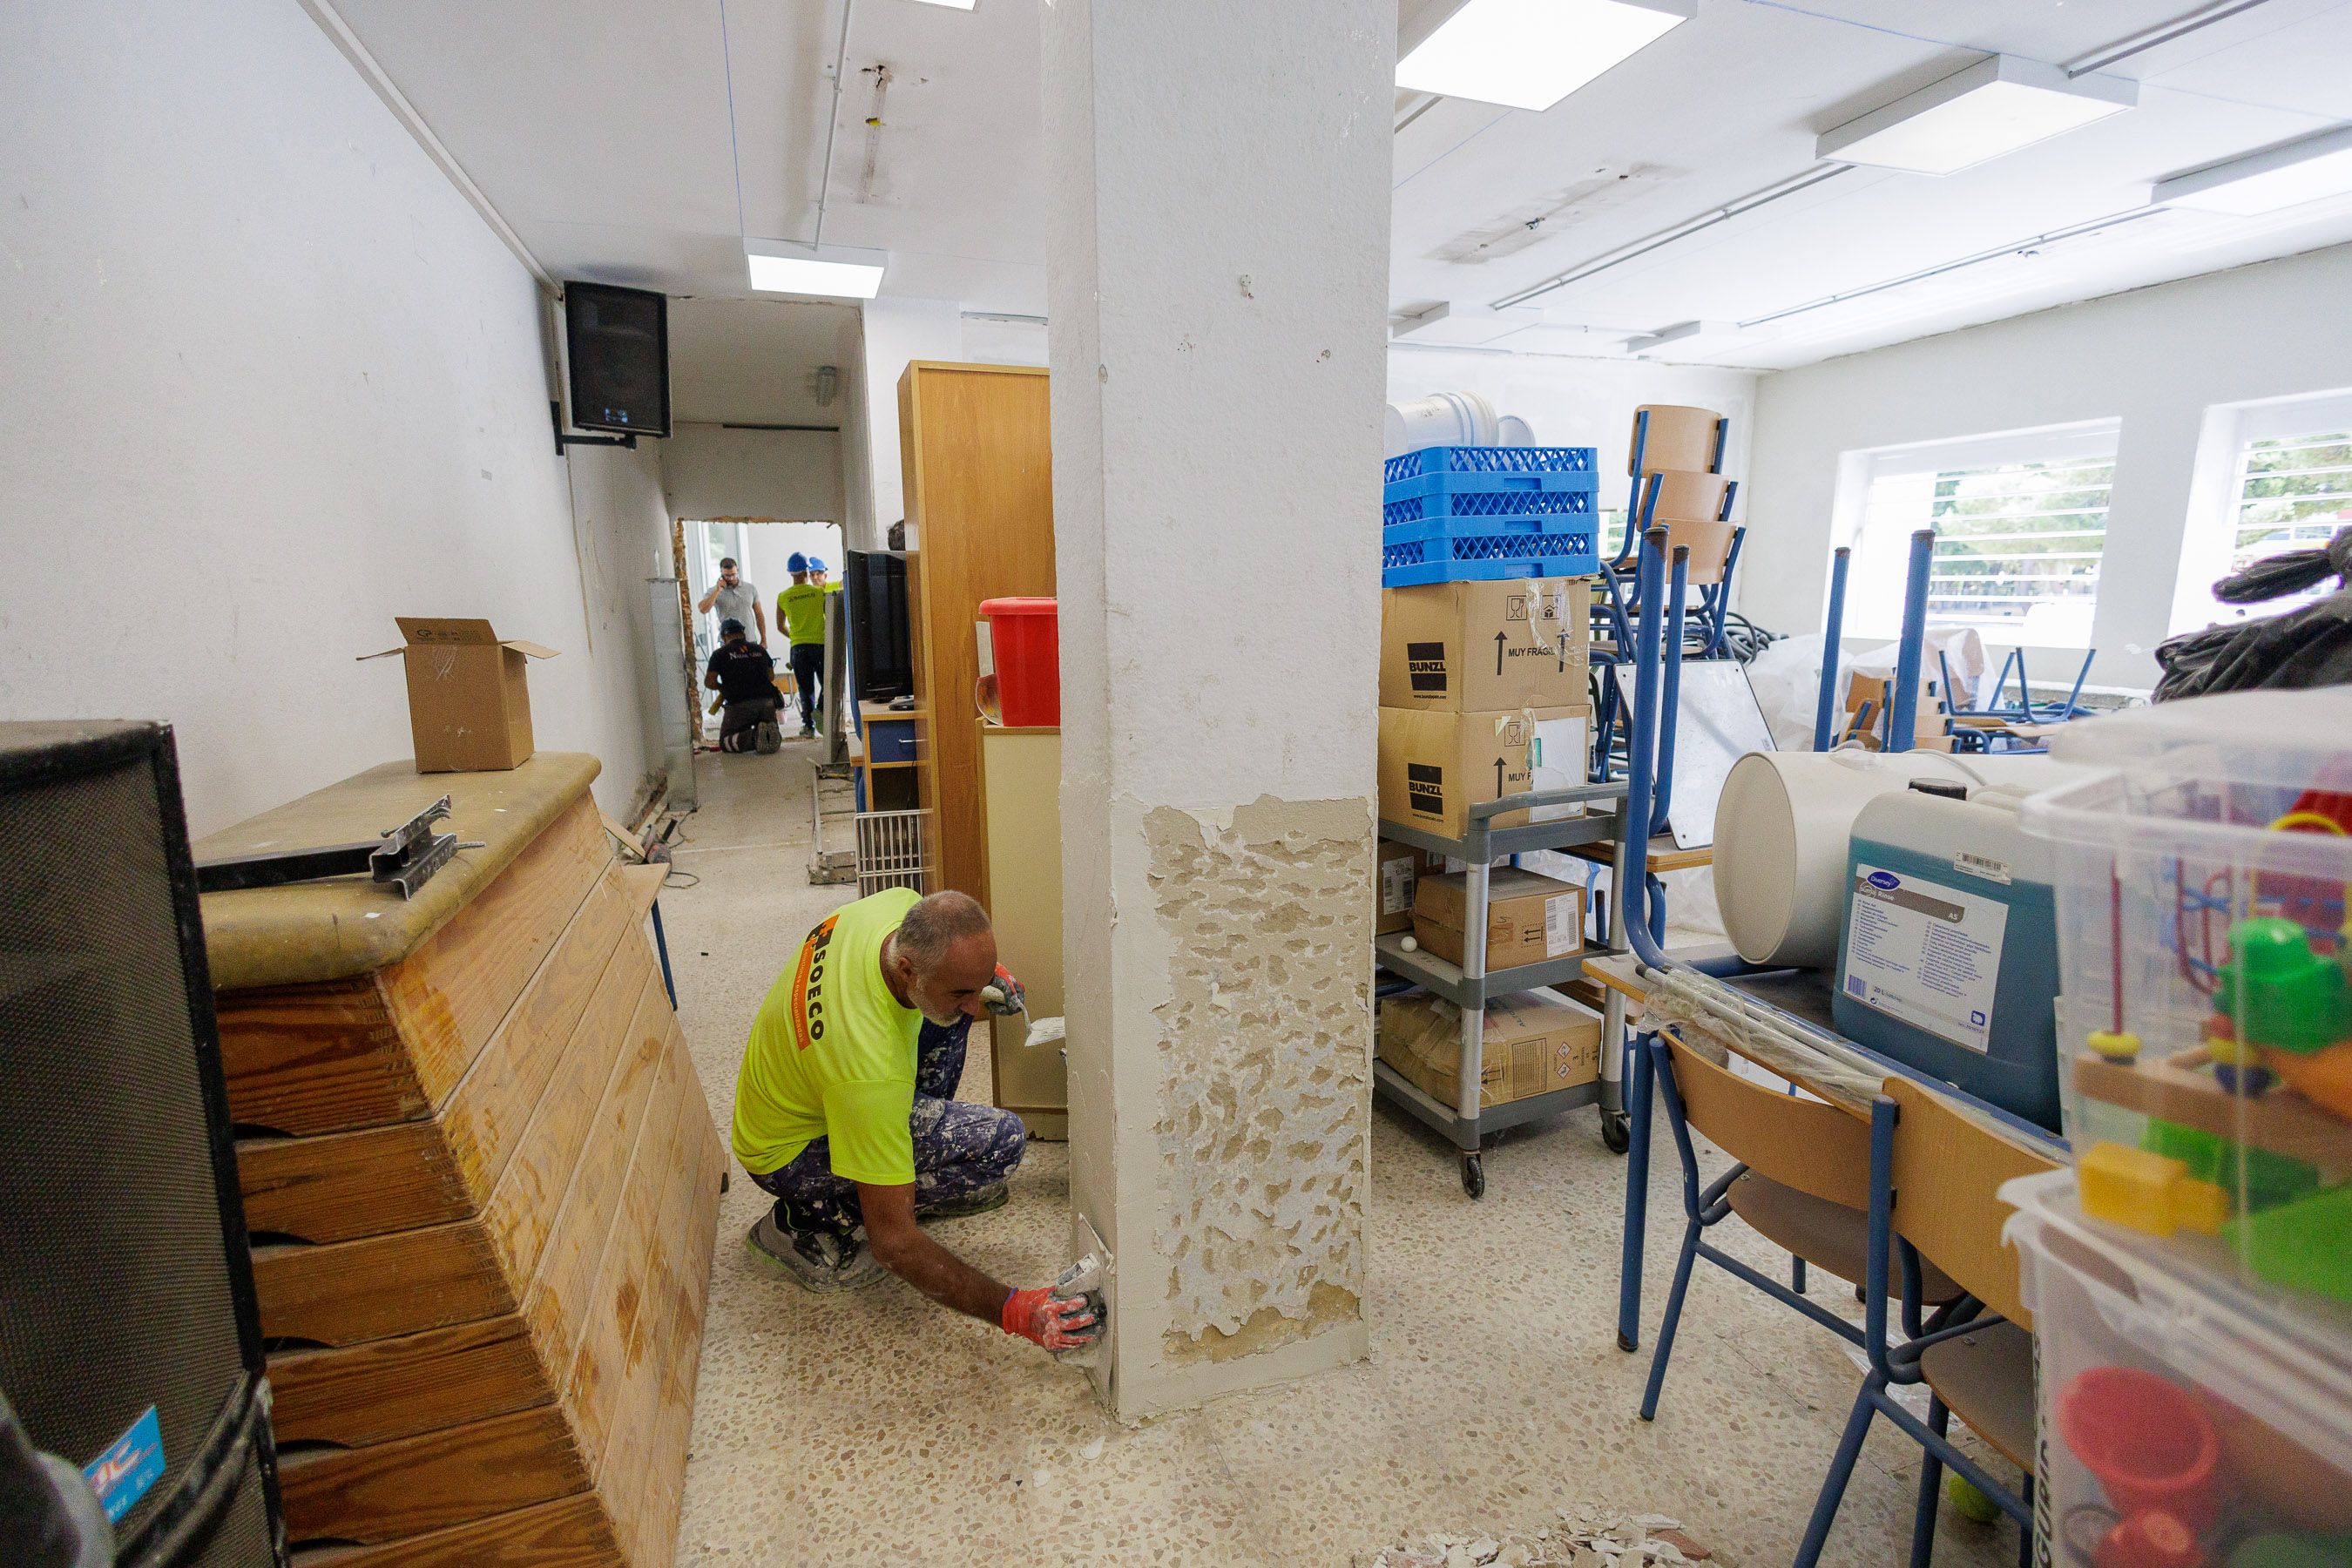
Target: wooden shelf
<point x="2171" y="1088"/>
<point x="1663" y="856"/>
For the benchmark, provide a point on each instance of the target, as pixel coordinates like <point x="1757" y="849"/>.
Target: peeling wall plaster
<point x="1265" y="1070"/>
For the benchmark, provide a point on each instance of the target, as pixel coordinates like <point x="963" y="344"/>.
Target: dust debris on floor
<point x="1584" y="1538"/>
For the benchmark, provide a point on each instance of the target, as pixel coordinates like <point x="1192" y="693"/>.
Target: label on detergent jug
<point x="1926" y="954"/>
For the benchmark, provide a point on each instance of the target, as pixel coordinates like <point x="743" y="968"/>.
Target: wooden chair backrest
<point x="1947" y="1167"/>
<point x="1679" y="437"/>
<point x="1684" y="495"/>
<point x="1710" y="548"/>
<point x="1799" y="1143"/>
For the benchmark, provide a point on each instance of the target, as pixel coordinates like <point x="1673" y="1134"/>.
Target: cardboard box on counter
<point x="1529" y="918"/>
<point x="1397" y="869"/>
<point x="1434" y="766"/>
<point x="469" y="695"/>
<point x="1467" y="647"/>
<point x="1533" y="1042"/>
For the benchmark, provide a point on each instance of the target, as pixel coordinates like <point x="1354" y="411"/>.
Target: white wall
<point x="897" y="332"/>
<point x="710" y="471"/>
<point x="269" y="381"/>
<point x="2156" y="358"/>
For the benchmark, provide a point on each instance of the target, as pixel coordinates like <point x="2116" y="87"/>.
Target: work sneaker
<point x="993" y="1197"/>
<point x="814" y="1259"/>
<point x="771" y="735"/>
<point x="806" y="734"/>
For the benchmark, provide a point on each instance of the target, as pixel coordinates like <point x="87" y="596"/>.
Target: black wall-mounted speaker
<point x="130" y="1346"/>
<point x="616" y="344"/>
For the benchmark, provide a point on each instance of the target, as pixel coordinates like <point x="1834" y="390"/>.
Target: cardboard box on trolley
<point x="1434" y="766"/>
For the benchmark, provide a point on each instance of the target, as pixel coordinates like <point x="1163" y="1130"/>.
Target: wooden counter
<point x="479" y="1175"/>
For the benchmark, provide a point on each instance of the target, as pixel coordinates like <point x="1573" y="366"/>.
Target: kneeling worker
<point x="845" y="1114"/>
<point x="745" y="679"/>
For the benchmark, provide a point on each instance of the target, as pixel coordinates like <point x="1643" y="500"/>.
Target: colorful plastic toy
<point x="2269" y="1179"/>
<point x="2152" y="1539"/>
<point x="2147" y="1442"/>
<point x="2321" y="1077"/>
<point x="2279" y="993"/>
<point x="2147" y="1192"/>
<point x="2305" y="1243"/>
<point x="2275" y="1551"/>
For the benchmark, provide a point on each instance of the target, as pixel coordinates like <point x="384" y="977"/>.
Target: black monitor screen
<point x="874" y="589"/>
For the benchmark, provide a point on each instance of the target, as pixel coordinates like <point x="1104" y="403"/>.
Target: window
<point x="2288" y="470"/>
<point x="2020" y="523"/>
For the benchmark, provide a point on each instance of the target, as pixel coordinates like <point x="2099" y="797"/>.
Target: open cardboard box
<point x="468" y="697"/>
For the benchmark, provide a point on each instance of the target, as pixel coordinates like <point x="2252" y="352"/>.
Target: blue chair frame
<point x="1893" y="1365"/>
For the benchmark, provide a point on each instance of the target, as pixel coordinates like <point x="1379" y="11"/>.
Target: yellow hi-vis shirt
<point x="832" y="1055"/>
<point x="801" y="607"/>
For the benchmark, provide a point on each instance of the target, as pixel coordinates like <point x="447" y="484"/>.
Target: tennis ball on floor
<point x="1970" y="1498"/>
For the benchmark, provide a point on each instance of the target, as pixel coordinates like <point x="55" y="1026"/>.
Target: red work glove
<point x="1003" y="995"/>
<point x="1056" y="1323"/>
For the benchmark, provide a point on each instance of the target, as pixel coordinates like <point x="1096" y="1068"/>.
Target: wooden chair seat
<point x="1987" y="1379"/>
<point x="1828" y="1235"/>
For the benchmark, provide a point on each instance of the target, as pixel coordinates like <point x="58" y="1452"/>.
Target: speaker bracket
<point x="555" y="411"/>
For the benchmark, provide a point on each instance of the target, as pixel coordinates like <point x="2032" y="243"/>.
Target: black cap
<point x="730" y="627"/>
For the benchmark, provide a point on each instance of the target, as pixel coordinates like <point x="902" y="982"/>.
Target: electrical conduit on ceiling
<point x="1805" y="179"/>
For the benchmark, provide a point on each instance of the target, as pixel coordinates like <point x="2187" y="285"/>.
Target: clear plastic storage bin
<point x="2205" y="1024"/>
<point x="2185" y="1422"/>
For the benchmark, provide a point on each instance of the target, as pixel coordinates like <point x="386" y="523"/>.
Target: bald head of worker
<point x="940" y="957"/>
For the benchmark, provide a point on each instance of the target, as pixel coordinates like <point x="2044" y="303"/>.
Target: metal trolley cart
<point x="1469" y="986"/>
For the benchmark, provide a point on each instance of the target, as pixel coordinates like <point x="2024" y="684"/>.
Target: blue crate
<point x="1488" y="495"/>
<point x="1491" y="460"/>
<point x="1485" y="549"/>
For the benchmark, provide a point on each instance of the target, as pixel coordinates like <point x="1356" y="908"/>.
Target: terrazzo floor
<point x="875" y="1428"/>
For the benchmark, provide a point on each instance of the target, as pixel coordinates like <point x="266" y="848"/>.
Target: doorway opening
<point x="761" y="548"/>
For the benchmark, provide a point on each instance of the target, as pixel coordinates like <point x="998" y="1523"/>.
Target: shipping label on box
<point x="1396" y="872"/>
<point x="1477" y="647"/>
<point x="1435" y="765"/>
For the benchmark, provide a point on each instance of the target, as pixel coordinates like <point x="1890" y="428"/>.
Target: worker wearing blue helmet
<point x="801" y="610"/>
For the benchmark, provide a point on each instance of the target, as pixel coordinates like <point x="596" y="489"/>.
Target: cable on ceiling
<point x="2162" y="33"/>
<point x="833" y="124"/>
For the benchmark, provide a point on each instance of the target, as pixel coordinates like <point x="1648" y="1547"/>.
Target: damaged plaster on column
<point x="1265" y="1083"/>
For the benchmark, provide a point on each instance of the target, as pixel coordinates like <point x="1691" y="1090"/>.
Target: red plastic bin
<point x="1026" y="635"/>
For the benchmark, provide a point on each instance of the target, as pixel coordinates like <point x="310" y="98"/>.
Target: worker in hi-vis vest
<point x="800" y="610"/>
<point x="844" y="1111"/>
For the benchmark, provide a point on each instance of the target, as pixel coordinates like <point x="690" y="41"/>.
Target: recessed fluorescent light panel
<point x="1699" y="338"/>
<point x="953" y="5"/>
<point x="1995" y="106"/>
<point x="835" y="272"/>
<point x="2265" y="182"/>
<point x="1530" y="54"/>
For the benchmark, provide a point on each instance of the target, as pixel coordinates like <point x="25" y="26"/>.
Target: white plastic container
<point x="1441" y="420"/>
<point x="2183" y="1420"/>
<point x="2205" y="1021"/>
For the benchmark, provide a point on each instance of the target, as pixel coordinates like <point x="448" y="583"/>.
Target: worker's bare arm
<point x="702" y="606"/>
<point x="900" y="1245"/>
<point x="710" y="678"/>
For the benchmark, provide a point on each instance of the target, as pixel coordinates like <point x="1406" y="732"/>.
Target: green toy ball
<point x="1970" y="1498"/>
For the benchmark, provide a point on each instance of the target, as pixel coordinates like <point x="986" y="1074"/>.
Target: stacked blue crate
<point x="1474" y="514"/>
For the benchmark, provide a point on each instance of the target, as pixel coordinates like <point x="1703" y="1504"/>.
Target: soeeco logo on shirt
<point x="808" y="987"/>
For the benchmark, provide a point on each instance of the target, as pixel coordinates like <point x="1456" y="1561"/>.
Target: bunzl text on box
<point x="1477" y="646"/>
<point x="468" y="693"/>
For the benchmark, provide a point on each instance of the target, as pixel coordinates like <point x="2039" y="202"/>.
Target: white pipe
<point x="833" y="124"/>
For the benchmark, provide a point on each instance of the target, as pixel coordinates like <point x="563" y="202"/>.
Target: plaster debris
<point x="1092" y="1450"/>
<point x="1586" y="1537"/>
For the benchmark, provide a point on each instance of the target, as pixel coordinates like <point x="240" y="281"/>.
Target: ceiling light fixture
<point x="829" y="271"/>
<point x="2265" y="182"/>
<point x="1699" y="338"/>
<point x="1463" y="326"/>
<point x="952" y="4"/>
<point x="1530" y="54"/>
<point x="1996" y="106"/>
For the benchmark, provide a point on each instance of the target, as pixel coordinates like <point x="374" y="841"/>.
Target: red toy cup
<point x="2147" y="1441"/>
<point x="1027" y="635"/>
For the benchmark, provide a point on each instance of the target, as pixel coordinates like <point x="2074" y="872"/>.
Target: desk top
<point x="310" y="931"/>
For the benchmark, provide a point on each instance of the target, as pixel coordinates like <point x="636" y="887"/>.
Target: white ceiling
<point x="601" y="131"/>
<point x="753" y="361"/>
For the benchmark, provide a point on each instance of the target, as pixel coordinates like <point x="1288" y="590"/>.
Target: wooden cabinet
<point x="480" y="1176"/>
<point x="1020" y="792"/>
<point x="975" y="441"/>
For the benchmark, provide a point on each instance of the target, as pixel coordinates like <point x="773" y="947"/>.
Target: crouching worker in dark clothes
<point x="745" y="679"/>
<point x="844" y="1110"/>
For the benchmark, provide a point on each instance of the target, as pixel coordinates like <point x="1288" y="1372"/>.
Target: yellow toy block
<point x="2113" y="1044"/>
<point x="2147" y="1192"/>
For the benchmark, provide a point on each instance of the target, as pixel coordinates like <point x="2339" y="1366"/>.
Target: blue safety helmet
<point x="799" y="563"/>
<point x="816" y="563"/>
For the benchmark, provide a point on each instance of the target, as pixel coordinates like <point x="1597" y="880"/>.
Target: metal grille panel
<point x="892" y="850"/>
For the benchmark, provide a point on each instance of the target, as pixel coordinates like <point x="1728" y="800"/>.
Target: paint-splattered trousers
<point x="959" y="1147"/>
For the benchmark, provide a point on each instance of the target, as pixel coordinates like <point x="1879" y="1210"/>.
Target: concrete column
<point x="1217" y="246"/>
